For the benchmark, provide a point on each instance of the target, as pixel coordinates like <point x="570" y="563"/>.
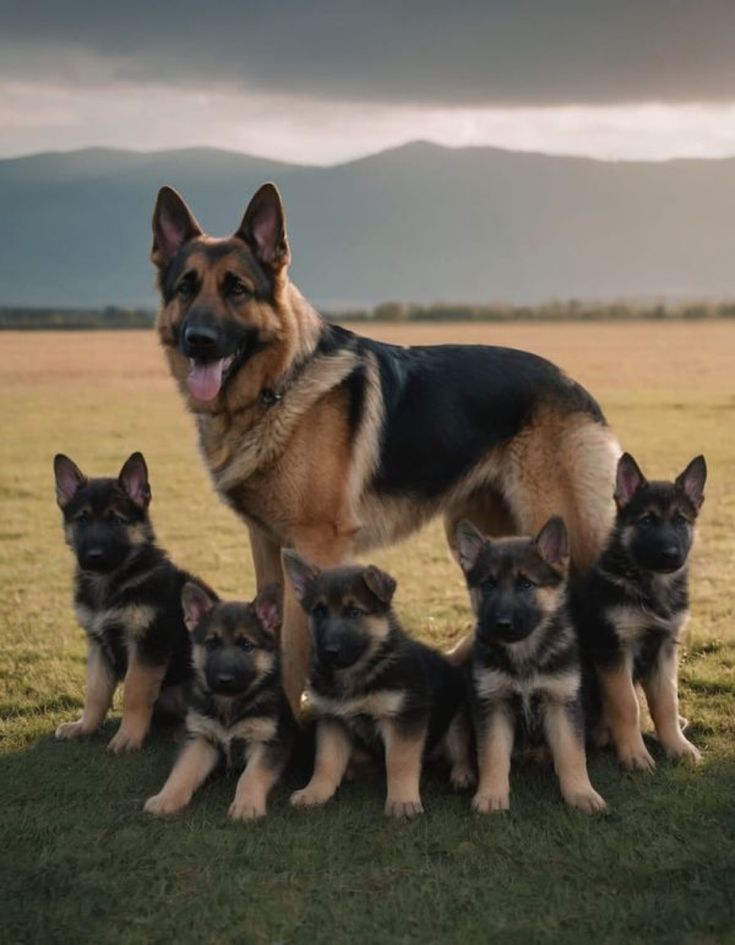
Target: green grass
<point x="80" y="862"/>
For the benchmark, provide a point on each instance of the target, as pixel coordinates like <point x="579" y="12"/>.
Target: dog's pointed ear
<point x="552" y="543"/>
<point x="692" y="481"/>
<point x="628" y="480"/>
<point x="69" y="477"/>
<point x="269" y="608"/>
<point x="263" y="228"/>
<point x="300" y="572"/>
<point x="469" y="543"/>
<point x="173" y="225"/>
<point x="380" y="583"/>
<point x="134" y="480"/>
<point x="195" y="602"/>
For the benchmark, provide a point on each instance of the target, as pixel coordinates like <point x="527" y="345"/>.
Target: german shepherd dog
<point x="526" y="670"/>
<point x="332" y="444"/>
<point x="237" y="710"/>
<point x="632" y="606"/>
<point x="127" y="597"/>
<point x="372" y="686"/>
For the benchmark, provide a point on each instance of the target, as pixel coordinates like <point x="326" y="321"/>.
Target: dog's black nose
<point x="95" y="554"/>
<point x="504" y="621"/>
<point x="200" y="336"/>
<point x="671" y="553"/>
<point x="225" y="679"/>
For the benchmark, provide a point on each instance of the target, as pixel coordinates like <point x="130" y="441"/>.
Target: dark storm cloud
<point x="548" y="52"/>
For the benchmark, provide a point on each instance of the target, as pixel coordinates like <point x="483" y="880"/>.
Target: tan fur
<point x="135" y="618"/>
<point x="403" y="757"/>
<point x="251" y="729"/>
<point x="333" y="748"/>
<point x="141" y="688"/>
<point x="382" y="705"/>
<point x="494" y="751"/>
<point x="570" y="761"/>
<point x="100" y="689"/>
<point x="253" y="786"/>
<point x="622" y="715"/>
<point x="663" y="702"/>
<point x="196" y="761"/>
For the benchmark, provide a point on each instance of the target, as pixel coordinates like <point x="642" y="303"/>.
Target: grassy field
<point x="80" y="862"/>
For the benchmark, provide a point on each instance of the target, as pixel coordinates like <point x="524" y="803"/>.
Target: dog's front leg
<point x="196" y="761"/>
<point x="662" y="695"/>
<point x="495" y="736"/>
<point x="564" y="728"/>
<point x="101" y="685"/>
<point x="333" y="747"/>
<point x="266" y="558"/>
<point x="141" y="688"/>
<point x="404" y="751"/>
<point x="263" y="768"/>
<point x="622" y="711"/>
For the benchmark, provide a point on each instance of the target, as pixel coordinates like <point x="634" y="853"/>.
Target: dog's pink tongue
<point x="205" y="379"/>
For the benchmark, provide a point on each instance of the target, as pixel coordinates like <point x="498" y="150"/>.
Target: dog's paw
<point x="462" y="777"/>
<point x="588" y="801"/>
<point x="488" y="803"/>
<point x="311" y="797"/>
<point x="683" y="750"/>
<point x="635" y="758"/>
<point x="162" y="804"/>
<point x="246" y="808"/>
<point x="69" y="730"/>
<point x="125" y="741"/>
<point x="403" y="808"/>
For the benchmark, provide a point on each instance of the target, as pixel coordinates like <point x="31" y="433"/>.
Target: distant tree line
<point x="70" y="319"/>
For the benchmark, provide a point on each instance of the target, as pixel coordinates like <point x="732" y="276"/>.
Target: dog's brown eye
<point x="680" y="521"/>
<point x="212" y="643"/>
<point x="489" y="585"/>
<point x="245" y="645"/>
<point x="184" y="290"/>
<point x="648" y="520"/>
<point x="319" y="611"/>
<point x="238" y="289"/>
<point x="524" y="584"/>
<point x="117" y="519"/>
<point x="354" y="613"/>
<point x="83" y="516"/>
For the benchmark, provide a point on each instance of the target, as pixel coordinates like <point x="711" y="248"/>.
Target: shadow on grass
<point x="81" y="862"/>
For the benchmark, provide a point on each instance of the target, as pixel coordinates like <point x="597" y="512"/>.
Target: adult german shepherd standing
<point x="333" y="444"/>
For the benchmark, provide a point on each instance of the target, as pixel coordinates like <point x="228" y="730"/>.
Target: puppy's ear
<point x="692" y="481"/>
<point x="195" y="602"/>
<point x="380" y="583"/>
<point x="628" y="480"/>
<point x="470" y="543"/>
<point x="552" y="543"/>
<point x="269" y="608"/>
<point x="263" y="228"/>
<point x="69" y="478"/>
<point x="300" y="572"/>
<point x="134" y="480"/>
<point x="173" y="225"/>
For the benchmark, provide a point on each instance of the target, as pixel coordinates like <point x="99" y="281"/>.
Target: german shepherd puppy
<point x="127" y="597"/>
<point x="526" y="672"/>
<point x="237" y="710"/>
<point x="372" y="685"/>
<point x="631" y="609"/>
<point x="332" y="444"/>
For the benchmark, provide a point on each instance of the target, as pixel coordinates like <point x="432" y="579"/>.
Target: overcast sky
<point x="319" y="82"/>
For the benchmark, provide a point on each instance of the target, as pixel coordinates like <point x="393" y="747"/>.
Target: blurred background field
<point x="77" y="852"/>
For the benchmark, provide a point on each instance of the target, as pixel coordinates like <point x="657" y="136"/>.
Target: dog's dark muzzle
<point x="205" y="341"/>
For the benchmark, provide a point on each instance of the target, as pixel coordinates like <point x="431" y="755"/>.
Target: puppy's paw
<point x="683" y="750"/>
<point x="246" y="808"/>
<point x="491" y="803"/>
<point x="125" y="740"/>
<point x="635" y="758"/>
<point x="69" y="730"/>
<point x="462" y="777"/>
<point x="411" y="807"/>
<point x="310" y="796"/>
<point x="588" y="801"/>
<point x="162" y="804"/>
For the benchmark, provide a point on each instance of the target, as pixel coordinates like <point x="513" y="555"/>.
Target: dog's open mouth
<point x="206" y="378"/>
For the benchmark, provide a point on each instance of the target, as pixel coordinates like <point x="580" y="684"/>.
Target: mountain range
<point x="418" y="223"/>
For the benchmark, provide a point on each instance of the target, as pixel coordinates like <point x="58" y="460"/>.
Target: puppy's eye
<point x="489" y="585"/>
<point x="680" y="521"/>
<point x="238" y="289"/>
<point x="245" y="645"/>
<point x="83" y="517"/>
<point x="116" y="519"/>
<point x="185" y="290"/>
<point x="648" y="520"/>
<point x="212" y="643"/>
<point x="353" y="613"/>
<point x="319" y="611"/>
<point x="524" y="584"/>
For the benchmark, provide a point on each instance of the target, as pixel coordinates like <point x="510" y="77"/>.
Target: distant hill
<point x="418" y="223"/>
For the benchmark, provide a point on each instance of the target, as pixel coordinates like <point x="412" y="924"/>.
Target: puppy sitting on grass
<point x="372" y="686"/>
<point x="526" y="675"/>
<point x="238" y="711"/>
<point x="127" y="596"/>
<point x="631" y="608"/>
